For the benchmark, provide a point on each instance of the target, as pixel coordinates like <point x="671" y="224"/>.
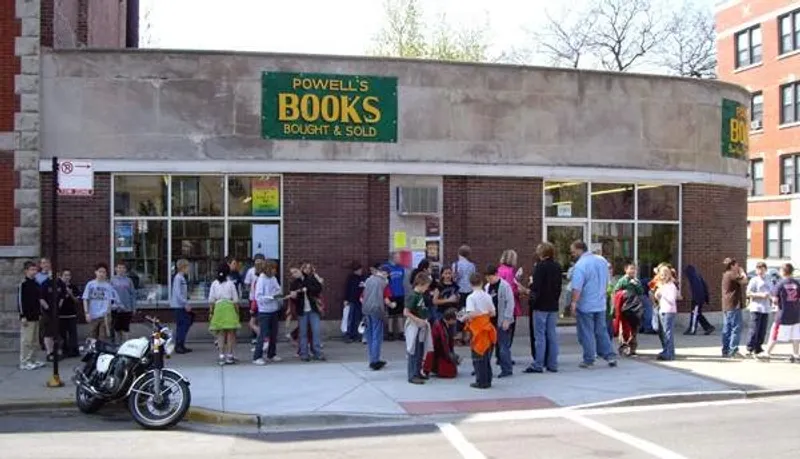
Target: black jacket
<point x="69" y="307"/>
<point x="29" y="295"/>
<point x="546" y="286"/>
<point x="313" y="291"/>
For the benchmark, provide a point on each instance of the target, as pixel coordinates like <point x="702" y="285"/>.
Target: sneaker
<point x="305" y="359"/>
<point x="320" y="358"/>
<point x="27" y="366"/>
<point x="252" y="342"/>
<point x="416" y="380"/>
<point x="553" y="370"/>
<point x="709" y="331"/>
<point x="39" y="364"/>
<point x="612" y="363"/>
<point x="586" y="365"/>
<point x="276" y="358"/>
<point x="380" y="364"/>
<point x="230" y="361"/>
<point x="532" y="369"/>
<point x="737" y="355"/>
<point x="505" y="375"/>
<point x="478" y="386"/>
<point x="259" y="362"/>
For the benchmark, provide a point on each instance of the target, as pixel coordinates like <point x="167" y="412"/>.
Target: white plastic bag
<point x="345" y="317"/>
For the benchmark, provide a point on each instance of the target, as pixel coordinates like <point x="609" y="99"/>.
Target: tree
<point x="625" y="31"/>
<point x="566" y="40"/>
<point x="689" y="48"/>
<point x="402" y="32"/>
<point x="404" y="35"/>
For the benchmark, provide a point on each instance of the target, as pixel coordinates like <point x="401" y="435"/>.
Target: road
<point x="751" y="428"/>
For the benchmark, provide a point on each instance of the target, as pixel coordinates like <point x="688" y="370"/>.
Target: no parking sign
<point x="75" y="178"/>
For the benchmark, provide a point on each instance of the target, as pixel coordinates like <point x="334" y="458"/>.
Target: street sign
<point x="75" y="178"/>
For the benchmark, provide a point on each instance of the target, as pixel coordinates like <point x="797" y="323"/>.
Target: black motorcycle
<point x="158" y="397"/>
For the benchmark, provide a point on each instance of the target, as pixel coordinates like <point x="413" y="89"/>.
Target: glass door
<point x="562" y="235"/>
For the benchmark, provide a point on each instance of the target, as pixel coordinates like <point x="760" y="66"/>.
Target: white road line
<point x="638" y="443"/>
<point x="459" y="442"/>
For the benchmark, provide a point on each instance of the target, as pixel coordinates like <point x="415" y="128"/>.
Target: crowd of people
<point x="432" y="311"/>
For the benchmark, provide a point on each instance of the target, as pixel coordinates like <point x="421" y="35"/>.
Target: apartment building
<point x="758" y="47"/>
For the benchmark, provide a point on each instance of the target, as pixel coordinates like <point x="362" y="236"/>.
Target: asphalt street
<point x="751" y="428"/>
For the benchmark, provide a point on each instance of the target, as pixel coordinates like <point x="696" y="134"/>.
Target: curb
<point x="305" y="420"/>
<point x="207" y="416"/>
<point x="27" y="405"/>
<point x="689" y="397"/>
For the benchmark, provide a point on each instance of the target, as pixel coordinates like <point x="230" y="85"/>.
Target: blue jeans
<point x="667" y="327"/>
<point x="415" y="359"/>
<point x="374" y="336"/>
<point x="593" y="336"/>
<point x="313" y="319"/>
<point x="354" y="320"/>
<point x="647" y="318"/>
<point x="504" y="350"/>
<point x="482" y="364"/>
<point x="546" y="340"/>
<point x="731" y="332"/>
<point x="267" y="329"/>
<point x="183" y="321"/>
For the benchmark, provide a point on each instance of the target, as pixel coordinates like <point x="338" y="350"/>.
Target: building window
<point x="612" y="201"/>
<point x="749" y="238"/>
<point x="614" y="241"/>
<point x="756" y="177"/>
<point x="778" y="239"/>
<point x="658" y="202"/>
<point x="657" y="243"/>
<point x="790" y="103"/>
<point x="748" y="47"/>
<point x="789" y="25"/>
<point x="756" y="110"/>
<point x="790" y="173"/>
<point x="565" y="199"/>
<point x="159" y="219"/>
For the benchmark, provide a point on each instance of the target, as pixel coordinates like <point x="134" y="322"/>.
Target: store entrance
<point x="562" y="235"/>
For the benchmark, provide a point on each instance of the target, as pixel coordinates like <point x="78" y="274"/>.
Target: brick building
<point x="758" y="46"/>
<point x="326" y="159"/>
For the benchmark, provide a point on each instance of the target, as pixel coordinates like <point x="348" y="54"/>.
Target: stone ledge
<point x="19" y="251"/>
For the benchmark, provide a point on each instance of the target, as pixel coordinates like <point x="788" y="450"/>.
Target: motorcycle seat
<point x="106" y="348"/>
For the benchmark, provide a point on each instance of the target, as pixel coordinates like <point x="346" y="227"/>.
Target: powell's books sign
<point x="735" y="129"/>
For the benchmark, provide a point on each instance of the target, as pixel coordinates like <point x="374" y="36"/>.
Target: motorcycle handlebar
<point x="155" y="322"/>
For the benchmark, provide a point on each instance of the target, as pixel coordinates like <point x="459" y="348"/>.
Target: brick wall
<point x="7" y="184"/>
<point x="331" y="220"/>
<point x="491" y="215"/>
<point x="714" y="227"/>
<point x="84" y="236"/>
<point x="9" y="66"/>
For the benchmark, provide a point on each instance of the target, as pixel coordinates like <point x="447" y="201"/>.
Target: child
<point x="269" y="301"/>
<point x="503" y="298"/>
<point x="417" y="328"/>
<point x="179" y="302"/>
<point x="68" y="314"/>
<point x="480" y="310"/>
<point x="667" y="296"/>
<point x="98" y="299"/>
<point x="122" y="312"/>
<point x="30" y="307"/>
<point x="628" y="310"/>
<point x="223" y="297"/>
<point x="443" y="361"/>
<point x="250" y="279"/>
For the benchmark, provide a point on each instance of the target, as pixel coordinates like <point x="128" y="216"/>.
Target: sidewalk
<point x="345" y="386"/>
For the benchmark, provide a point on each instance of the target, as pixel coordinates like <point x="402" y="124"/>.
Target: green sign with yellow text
<point x="735" y="129"/>
<point x="346" y="108"/>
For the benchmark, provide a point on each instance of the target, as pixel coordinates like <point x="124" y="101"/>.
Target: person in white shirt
<point x="667" y="296"/>
<point x="479" y="311"/>
<point x="269" y="302"/>
<point x="759" y="291"/>
<point x="250" y="279"/>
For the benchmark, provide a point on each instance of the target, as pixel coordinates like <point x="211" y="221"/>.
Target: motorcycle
<point x="157" y="397"/>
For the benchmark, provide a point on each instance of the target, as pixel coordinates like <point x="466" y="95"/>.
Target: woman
<point x="667" y="296"/>
<point x="507" y="270"/>
<point x="307" y="287"/>
<point x="545" y="292"/>
<point x="223" y="297"/>
<point x="445" y="296"/>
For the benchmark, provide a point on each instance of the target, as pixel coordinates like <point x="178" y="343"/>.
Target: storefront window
<point x="658" y="243"/>
<point x="142" y="246"/>
<point x="612" y="201"/>
<point x="248" y="238"/>
<point x="614" y="241"/>
<point x="140" y="195"/>
<point x="565" y="199"/>
<point x="200" y="196"/>
<point x="202" y="244"/>
<point x="658" y="202"/>
<point x="254" y="196"/>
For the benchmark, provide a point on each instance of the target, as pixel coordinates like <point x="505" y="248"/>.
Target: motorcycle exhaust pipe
<point x="81" y="380"/>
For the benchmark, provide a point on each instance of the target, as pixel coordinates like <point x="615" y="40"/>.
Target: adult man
<point x="373" y="305"/>
<point x="589" y="284"/>
<point x="503" y="298"/>
<point x="734" y="281"/>
<point x="759" y="291"/>
<point x="398" y="280"/>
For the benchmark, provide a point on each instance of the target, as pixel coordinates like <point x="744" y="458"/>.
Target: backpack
<point x="632" y="308"/>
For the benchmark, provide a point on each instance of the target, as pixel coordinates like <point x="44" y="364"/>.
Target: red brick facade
<point x="9" y="103"/>
<point x="713" y="228"/>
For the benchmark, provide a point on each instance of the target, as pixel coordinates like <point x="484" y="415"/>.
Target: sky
<point x="342" y="27"/>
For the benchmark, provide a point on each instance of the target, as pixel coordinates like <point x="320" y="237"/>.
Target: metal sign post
<point x="55" y="379"/>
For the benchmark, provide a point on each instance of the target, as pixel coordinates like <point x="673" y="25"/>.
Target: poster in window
<point x="432" y="250"/>
<point x="123" y="237"/>
<point x="266" y="241"/>
<point x="266" y="197"/>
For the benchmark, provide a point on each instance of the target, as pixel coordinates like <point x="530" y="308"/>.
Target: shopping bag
<point x="345" y="317"/>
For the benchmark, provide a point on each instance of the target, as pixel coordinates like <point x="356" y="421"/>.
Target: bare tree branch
<point x="625" y="31"/>
<point x="689" y="48"/>
<point x="565" y="39"/>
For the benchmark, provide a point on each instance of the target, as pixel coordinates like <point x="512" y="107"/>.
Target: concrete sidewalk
<point x="344" y="386"/>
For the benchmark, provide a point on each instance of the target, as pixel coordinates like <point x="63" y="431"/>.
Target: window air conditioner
<point x="786" y="188"/>
<point x="417" y="200"/>
<point x="755" y="125"/>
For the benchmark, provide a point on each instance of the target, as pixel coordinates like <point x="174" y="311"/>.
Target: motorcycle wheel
<point x="87" y="403"/>
<point x="171" y="411"/>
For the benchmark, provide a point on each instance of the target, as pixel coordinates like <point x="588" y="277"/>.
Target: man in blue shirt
<point x="589" y="284"/>
<point x="398" y="279"/>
